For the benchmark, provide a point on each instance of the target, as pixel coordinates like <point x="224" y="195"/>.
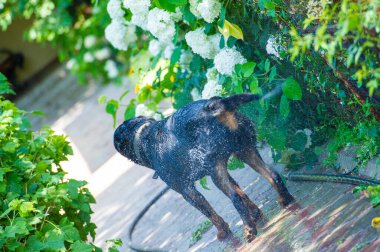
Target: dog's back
<point x="187" y="145"/>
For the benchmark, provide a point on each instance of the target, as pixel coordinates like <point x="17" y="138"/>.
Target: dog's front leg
<point x="197" y="200"/>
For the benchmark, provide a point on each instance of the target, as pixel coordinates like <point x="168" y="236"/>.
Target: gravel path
<point x="329" y="217"/>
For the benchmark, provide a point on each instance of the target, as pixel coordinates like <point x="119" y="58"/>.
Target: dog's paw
<point x="287" y="201"/>
<point x="223" y="234"/>
<point x="250" y="233"/>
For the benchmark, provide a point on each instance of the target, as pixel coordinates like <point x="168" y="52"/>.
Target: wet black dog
<point x="197" y="141"/>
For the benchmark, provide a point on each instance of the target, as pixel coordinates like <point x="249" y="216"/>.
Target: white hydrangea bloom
<point x="168" y="51"/>
<point x="89" y="41"/>
<point x="103" y="53"/>
<point x="120" y="35"/>
<point x="154" y="47"/>
<point x="177" y="15"/>
<point x="139" y="9"/>
<point x="157" y="116"/>
<point x="88" y="57"/>
<point x="143" y="110"/>
<point x="185" y="60"/>
<point x="111" y="68"/>
<point x="114" y="9"/>
<point x="194" y="8"/>
<point x="207" y="9"/>
<point x="211" y="89"/>
<point x="226" y="60"/>
<point x="273" y="47"/>
<point x="195" y="94"/>
<point x="161" y="25"/>
<point x="206" y="46"/>
<point x="212" y="74"/>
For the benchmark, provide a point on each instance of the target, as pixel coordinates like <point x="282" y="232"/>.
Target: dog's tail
<point x="231" y="103"/>
<point x="235" y="101"/>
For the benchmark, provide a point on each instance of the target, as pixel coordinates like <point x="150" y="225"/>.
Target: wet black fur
<point x="193" y="143"/>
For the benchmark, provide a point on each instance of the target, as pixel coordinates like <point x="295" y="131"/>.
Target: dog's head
<point x="125" y="135"/>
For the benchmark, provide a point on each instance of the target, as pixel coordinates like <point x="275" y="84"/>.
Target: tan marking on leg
<point x="228" y="119"/>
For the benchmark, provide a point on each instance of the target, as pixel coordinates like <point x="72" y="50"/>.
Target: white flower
<point x="226" y="60"/>
<point x="194" y="8"/>
<point x="70" y="64"/>
<point x="185" y="60"/>
<point x="207" y="9"/>
<point x="139" y="9"/>
<point x="111" y="69"/>
<point x="89" y="41"/>
<point x="161" y="25"/>
<point x="102" y="54"/>
<point x="120" y="35"/>
<point x="88" y="57"/>
<point x="168" y="51"/>
<point x="206" y="46"/>
<point x="211" y="89"/>
<point x="154" y="47"/>
<point x="157" y="116"/>
<point x="177" y="15"/>
<point x="143" y="110"/>
<point x="195" y="94"/>
<point x="212" y="74"/>
<point x="114" y="9"/>
<point x="273" y="47"/>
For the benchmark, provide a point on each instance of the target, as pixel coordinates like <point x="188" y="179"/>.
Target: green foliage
<point x="199" y="231"/>
<point x="40" y="209"/>
<point x="373" y="192"/>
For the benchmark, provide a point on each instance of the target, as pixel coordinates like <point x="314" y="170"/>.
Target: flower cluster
<point x="206" y="46"/>
<point x="273" y="47"/>
<point x="161" y="25"/>
<point x="119" y="33"/>
<point x="212" y="87"/>
<point x="207" y="9"/>
<point x="139" y="11"/>
<point x="143" y="110"/>
<point x="226" y="60"/>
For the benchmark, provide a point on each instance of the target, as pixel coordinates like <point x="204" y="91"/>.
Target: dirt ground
<point x="329" y="217"/>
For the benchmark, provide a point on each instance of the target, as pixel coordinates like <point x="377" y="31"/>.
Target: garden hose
<point x="138" y="247"/>
<point x="342" y="179"/>
<point x="334" y="178"/>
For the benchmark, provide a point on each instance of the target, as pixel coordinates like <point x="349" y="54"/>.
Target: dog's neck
<point x="137" y="146"/>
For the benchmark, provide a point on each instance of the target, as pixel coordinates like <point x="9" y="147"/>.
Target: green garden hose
<point x="334" y="178"/>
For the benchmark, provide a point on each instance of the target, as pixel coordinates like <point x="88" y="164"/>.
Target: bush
<point x="39" y="209"/>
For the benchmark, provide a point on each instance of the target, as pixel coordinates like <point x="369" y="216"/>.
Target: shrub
<point x="40" y="209"/>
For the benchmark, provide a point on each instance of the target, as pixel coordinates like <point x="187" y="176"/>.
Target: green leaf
<point x="123" y="95"/>
<point x="284" y="106"/>
<point x="80" y="246"/>
<point x="235" y="163"/>
<point x="10" y="147"/>
<point x="247" y="68"/>
<point x="266" y="65"/>
<point x="37" y="112"/>
<point x="299" y="141"/>
<point x="169" y="5"/>
<point x="277" y="139"/>
<point x="26" y="208"/>
<point x="203" y="183"/>
<point x="111" y="108"/>
<point x="130" y="111"/>
<point x="102" y="99"/>
<point x="230" y="29"/>
<point x="292" y="89"/>
<point x="175" y="56"/>
<point x="254" y="85"/>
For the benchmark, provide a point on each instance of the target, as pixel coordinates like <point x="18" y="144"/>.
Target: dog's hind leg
<point x="248" y="211"/>
<point x="196" y="199"/>
<point x="253" y="159"/>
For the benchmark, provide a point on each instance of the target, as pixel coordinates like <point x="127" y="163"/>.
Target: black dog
<point x="197" y="141"/>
